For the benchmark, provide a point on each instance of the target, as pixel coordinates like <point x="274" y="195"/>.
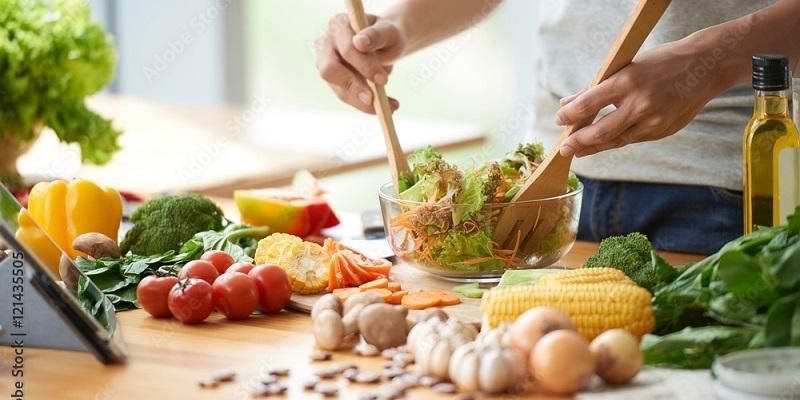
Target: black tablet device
<point x="68" y="292"/>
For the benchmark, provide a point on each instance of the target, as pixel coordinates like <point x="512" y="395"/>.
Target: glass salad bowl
<point x="426" y="236"/>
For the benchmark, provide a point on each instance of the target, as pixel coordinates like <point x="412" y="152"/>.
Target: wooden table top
<point x="166" y="359"/>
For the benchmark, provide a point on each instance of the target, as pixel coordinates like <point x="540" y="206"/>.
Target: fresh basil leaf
<point x="741" y="274"/>
<point x="778" y="328"/>
<point x="787" y="271"/>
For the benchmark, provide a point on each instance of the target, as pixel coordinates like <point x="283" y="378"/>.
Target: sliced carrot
<point x="377" y="269"/>
<point x="363" y="274"/>
<point x="345" y="293"/>
<point x="420" y="300"/>
<point x="382" y="283"/>
<point x="394" y="286"/>
<point x="384" y="293"/>
<point x="435" y="292"/>
<point x="349" y="276"/>
<point x="396" y="297"/>
<point x="449" y="299"/>
<point x="333" y="281"/>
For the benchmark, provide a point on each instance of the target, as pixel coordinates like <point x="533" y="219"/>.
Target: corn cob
<point x="587" y="275"/>
<point x="593" y="307"/>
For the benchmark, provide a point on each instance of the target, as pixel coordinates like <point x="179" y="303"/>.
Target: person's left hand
<point x="655" y="96"/>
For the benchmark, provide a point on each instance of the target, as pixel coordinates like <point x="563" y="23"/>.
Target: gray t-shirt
<point x="573" y="39"/>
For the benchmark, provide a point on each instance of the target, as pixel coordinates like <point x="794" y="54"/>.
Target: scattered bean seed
<point x="320" y="356"/>
<point x="393" y="372"/>
<point x="444" y="387"/>
<point x="268" y="379"/>
<point x="429" y="380"/>
<point x="207" y="383"/>
<point x="223" y="375"/>
<point x="276" y="388"/>
<point x="279" y="371"/>
<point x="467" y="396"/>
<point x="326" y="373"/>
<point x="367" y="396"/>
<point x="389" y="353"/>
<point x="367" y="377"/>
<point x="350" y="374"/>
<point x="339" y="368"/>
<point x="392" y="392"/>
<point x="326" y="390"/>
<point x="310" y="382"/>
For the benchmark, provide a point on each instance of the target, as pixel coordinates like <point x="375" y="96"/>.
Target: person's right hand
<point x="347" y="60"/>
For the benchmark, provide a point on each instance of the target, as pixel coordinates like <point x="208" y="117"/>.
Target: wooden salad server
<point x="397" y="159"/>
<point x="523" y="226"/>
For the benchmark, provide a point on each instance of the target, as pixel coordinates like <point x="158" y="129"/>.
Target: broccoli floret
<point x="634" y="255"/>
<point x="166" y="222"/>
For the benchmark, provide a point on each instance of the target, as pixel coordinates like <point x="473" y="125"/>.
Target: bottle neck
<point x="772" y="103"/>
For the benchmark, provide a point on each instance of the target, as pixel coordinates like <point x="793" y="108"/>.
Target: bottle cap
<point x="770" y="72"/>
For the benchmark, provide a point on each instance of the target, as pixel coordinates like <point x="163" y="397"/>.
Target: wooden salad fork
<point x="523" y="226"/>
<point x="397" y="159"/>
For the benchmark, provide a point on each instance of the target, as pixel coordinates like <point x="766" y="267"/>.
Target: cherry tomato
<point x="191" y="300"/>
<point x="235" y="295"/>
<point x="274" y="289"/>
<point x="153" y="293"/>
<point x="199" y="269"/>
<point x="243" y="267"/>
<point x="220" y="259"/>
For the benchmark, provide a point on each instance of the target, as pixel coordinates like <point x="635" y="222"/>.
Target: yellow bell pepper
<point x="36" y="239"/>
<point x="66" y="210"/>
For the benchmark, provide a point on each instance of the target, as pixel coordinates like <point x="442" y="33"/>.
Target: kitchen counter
<point x="167" y="358"/>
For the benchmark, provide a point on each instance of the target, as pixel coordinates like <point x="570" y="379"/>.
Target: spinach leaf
<point x="694" y="347"/>
<point x="779" y="325"/>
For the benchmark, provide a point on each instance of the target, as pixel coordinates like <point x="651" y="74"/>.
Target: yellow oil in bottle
<point x="769" y="132"/>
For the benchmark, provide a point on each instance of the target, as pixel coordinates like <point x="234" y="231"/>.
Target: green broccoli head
<point x="634" y="255"/>
<point x="165" y="223"/>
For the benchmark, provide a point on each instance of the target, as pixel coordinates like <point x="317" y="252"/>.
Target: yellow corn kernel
<point x="587" y="275"/>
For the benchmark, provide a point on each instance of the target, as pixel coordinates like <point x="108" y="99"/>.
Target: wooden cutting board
<point x="411" y="279"/>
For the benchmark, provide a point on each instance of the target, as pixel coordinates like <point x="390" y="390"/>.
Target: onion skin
<point x="529" y="327"/>
<point x="618" y="357"/>
<point x="561" y="362"/>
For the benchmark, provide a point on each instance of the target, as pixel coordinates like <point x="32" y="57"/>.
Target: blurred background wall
<point x="209" y="52"/>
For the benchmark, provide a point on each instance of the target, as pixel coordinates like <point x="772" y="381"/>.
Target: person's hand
<point x="346" y="60"/>
<point x="655" y="96"/>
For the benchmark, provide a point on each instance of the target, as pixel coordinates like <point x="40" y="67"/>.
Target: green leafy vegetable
<point x="238" y="240"/>
<point x="52" y="56"/>
<point x="694" y="347"/>
<point x="165" y="223"/>
<point x="748" y="288"/>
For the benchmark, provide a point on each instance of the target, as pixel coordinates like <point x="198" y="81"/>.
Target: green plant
<point x="52" y="56"/>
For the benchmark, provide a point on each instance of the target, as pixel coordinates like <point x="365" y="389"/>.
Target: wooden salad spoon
<point x="397" y="159"/>
<point x="521" y="226"/>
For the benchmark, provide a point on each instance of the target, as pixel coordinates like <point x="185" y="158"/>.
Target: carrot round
<point x="449" y="299"/>
<point x="420" y="300"/>
<point x="396" y="297"/>
<point x="382" y="283"/>
<point x="345" y="293"/>
<point x="384" y="293"/>
<point x="394" y="286"/>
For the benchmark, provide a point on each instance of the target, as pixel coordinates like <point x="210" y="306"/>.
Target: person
<point x="663" y="153"/>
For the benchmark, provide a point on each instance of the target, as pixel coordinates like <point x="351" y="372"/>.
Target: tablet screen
<point x="66" y="286"/>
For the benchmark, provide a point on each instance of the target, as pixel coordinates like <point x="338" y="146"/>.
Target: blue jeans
<point x="684" y="218"/>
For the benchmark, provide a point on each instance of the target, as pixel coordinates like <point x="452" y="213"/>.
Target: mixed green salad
<point x="449" y="215"/>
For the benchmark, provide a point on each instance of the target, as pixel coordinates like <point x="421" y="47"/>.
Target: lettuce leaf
<point x="51" y="57"/>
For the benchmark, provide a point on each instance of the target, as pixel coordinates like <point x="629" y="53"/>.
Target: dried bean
<point x="391" y="373"/>
<point x="326" y="390"/>
<point x="367" y="377"/>
<point x="223" y="375"/>
<point x="389" y="353"/>
<point x="207" y="383"/>
<point x="310" y="383"/>
<point x="429" y="380"/>
<point x="320" y="356"/>
<point x="350" y="374"/>
<point x="446" y="388"/>
<point x="279" y="371"/>
<point x="402" y="359"/>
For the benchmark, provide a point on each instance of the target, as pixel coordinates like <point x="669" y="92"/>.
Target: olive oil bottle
<point x="769" y="141"/>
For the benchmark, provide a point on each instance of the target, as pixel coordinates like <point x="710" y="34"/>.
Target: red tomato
<point x="274" y="289"/>
<point x="153" y="293"/>
<point x="243" y="267"/>
<point x="191" y="300"/>
<point x="199" y="269"/>
<point x="235" y="295"/>
<point x="219" y="259"/>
